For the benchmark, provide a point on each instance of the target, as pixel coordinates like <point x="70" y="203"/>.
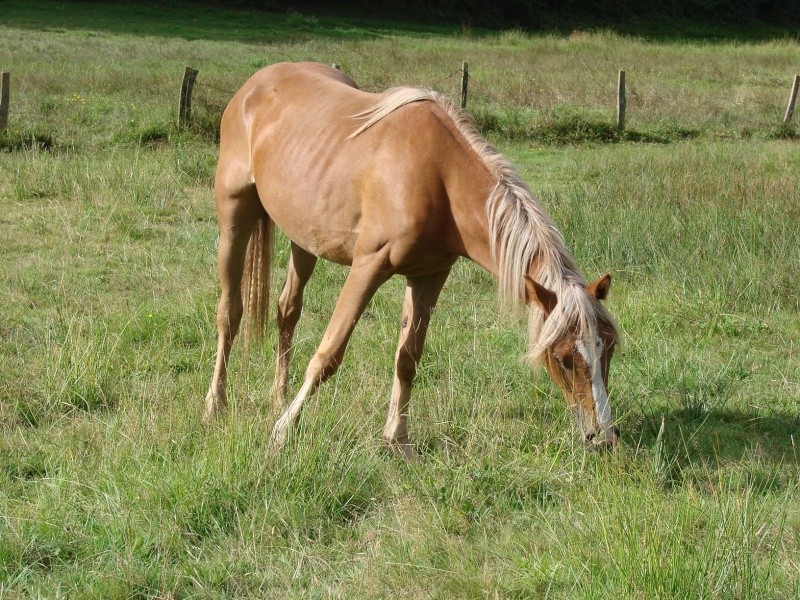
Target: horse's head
<point x="578" y="361"/>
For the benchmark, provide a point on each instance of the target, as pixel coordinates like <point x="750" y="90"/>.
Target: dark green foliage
<point x="544" y="14"/>
<point x="12" y="142"/>
<point x="784" y="131"/>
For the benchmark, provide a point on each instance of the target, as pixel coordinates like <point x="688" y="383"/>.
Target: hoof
<point x="214" y="407"/>
<point x="280" y="434"/>
<point x="403" y="448"/>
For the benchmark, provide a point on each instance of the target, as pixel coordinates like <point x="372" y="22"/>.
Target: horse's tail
<point x="255" y="281"/>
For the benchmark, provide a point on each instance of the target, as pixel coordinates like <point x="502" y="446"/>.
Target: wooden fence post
<point x="4" y="93"/>
<point x="464" y="83"/>
<point x="792" y="99"/>
<point x="621" y="101"/>
<point x="185" y="111"/>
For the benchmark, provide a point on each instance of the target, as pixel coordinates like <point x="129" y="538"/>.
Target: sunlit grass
<point x="110" y="487"/>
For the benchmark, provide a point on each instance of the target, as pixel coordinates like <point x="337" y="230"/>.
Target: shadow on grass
<point x="209" y="21"/>
<point x="205" y="21"/>
<point x="567" y="125"/>
<point x="701" y="444"/>
<point x="23" y="141"/>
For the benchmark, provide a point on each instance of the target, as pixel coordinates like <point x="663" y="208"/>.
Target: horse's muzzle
<point x="606" y="441"/>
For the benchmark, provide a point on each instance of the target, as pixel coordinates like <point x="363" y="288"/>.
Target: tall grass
<point x="111" y="488"/>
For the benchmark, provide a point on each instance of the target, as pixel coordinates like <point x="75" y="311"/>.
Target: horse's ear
<point x="539" y="294"/>
<point x="599" y="287"/>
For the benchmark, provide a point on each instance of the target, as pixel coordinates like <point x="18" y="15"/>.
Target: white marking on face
<point x="599" y="394"/>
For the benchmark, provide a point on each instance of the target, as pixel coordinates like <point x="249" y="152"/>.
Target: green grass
<point x="111" y="488"/>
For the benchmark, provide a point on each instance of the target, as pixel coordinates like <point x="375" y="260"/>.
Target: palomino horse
<point x="406" y="190"/>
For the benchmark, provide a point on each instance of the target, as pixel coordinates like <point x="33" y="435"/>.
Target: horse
<point x="399" y="183"/>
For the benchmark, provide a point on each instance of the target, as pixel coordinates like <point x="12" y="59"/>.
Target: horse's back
<point x="288" y="96"/>
<point x="288" y="128"/>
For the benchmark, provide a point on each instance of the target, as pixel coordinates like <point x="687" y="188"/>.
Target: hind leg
<point x="237" y="215"/>
<point x="290" y="305"/>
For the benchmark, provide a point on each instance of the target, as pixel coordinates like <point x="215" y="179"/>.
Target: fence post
<point x="4" y="93"/>
<point x="792" y="99"/>
<point x="464" y="83"/>
<point x="621" y="101"/>
<point x="185" y="111"/>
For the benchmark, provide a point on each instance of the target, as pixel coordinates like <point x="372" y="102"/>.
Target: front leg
<point x="420" y="298"/>
<point x="366" y="275"/>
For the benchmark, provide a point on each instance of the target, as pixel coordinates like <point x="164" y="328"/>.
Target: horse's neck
<point x="469" y="184"/>
<point x="550" y="263"/>
<point x="468" y="190"/>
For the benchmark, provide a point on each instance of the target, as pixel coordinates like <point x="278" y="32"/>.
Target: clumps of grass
<point x="41" y="546"/>
<point x="151" y="134"/>
<point x="510" y="37"/>
<point x="197" y="167"/>
<point x="320" y="487"/>
<point x="79" y="375"/>
<point x="206" y="117"/>
<point x="506" y="122"/>
<point x="783" y="131"/>
<point x="663" y="134"/>
<point x="656" y="547"/>
<point x="203" y="125"/>
<point x="472" y="493"/>
<point x="258" y="64"/>
<point x="16" y="141"/>
<point x="566" y="125"/>
<point x="25" y="462"/>
<point x="301" y="22"/>
<point x="213" y="508"/>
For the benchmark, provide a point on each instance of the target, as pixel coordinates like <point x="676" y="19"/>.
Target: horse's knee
<point x="406" y="366"/>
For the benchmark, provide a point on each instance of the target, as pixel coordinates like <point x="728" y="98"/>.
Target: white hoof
<point x="280" y="433"/>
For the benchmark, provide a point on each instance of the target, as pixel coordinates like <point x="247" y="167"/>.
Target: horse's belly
<point x="329" y="232"/>
<point x="335" y="246"/>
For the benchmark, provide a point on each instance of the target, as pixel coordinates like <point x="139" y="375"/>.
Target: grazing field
<point x="111" y="488"/>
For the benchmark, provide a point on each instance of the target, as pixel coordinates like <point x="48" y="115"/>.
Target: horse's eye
<point x="565" y="361"/>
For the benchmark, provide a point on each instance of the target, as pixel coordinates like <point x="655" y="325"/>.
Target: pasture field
<point x="111" y="488"/>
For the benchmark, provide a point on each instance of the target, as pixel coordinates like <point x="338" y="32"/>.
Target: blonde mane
<point x="521" y="233"/>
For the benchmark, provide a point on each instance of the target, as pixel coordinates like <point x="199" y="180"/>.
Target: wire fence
<point x="467" y="81"/>
<point x="214" y="96"/>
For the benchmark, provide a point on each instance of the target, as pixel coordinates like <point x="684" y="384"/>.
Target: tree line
<point x="543" y="14"/>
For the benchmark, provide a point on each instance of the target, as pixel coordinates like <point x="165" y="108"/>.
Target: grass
<point x="110" y="487"/>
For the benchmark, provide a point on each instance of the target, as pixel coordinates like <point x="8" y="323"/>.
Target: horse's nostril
<point x="590" y="436"/>
<point x="615" y="432"/>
